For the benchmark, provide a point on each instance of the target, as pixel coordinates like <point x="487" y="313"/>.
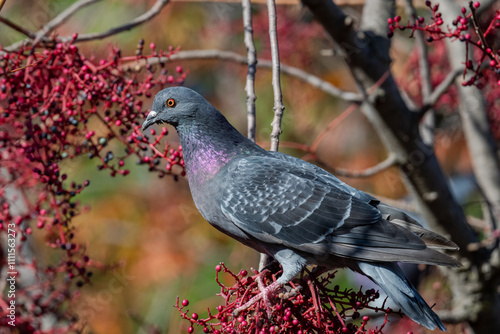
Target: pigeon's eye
<point x="170" y="103"/>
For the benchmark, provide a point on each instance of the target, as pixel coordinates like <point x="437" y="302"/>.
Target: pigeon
<point x="293" y="210"/>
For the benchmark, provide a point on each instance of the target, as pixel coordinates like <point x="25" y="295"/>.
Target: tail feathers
<point x="394" y="283"/>
<point x="400" y="218"/>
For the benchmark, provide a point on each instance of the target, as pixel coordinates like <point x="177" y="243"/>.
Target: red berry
<point x="185" y="302"/>
<point x="218" y="268"/>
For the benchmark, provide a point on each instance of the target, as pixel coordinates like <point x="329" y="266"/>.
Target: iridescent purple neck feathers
<point x="206" y="152"/>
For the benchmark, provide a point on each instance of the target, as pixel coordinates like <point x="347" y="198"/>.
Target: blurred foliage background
<point x="149" y="228"/>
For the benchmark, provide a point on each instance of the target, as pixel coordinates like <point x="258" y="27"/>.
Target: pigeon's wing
<point x="276" y="201"/>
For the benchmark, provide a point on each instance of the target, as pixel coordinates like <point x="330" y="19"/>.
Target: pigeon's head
<point x="176" y="105"/>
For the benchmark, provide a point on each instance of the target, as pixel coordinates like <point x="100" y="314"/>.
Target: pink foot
<point x="265" y="293"/>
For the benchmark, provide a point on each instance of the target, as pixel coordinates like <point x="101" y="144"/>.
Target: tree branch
<point x="428" y="125"/>
<point x="475" y="123"/>
<point x="275" y="56"/>
<point x="250" y="86"/>
<point x="252" y="67"/>
<point x="313" y="80"/>
<point x="61" y="18"/>
<point x="391" y="160"/>
<point x="152" y="12"/>
<point x="16" y="27"/>
<point x="440" y="90"/>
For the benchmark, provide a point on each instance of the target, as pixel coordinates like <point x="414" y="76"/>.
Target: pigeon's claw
<point x="265" y="294"/>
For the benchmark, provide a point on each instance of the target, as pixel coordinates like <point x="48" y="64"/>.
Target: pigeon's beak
<point x="150" y="120"/>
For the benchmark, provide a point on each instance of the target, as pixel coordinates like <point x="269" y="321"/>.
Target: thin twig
<point x="213" y="54"/>
<point x="252" y="67"/>
<point x="429" y="121"/>
<point x="391" y="160"/>
<point x="440" y="90"/>
<point x="479" y="33"/>
<point x="250" y="85"/>
<point x="61" y="18"/>
<point x="152" y="12"/>
<point x="275" y="56"/>
<point x="16" y="27"/>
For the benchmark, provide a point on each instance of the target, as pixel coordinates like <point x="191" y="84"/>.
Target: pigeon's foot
<point x="265" y="294"/>
<point x="291" y="293"/>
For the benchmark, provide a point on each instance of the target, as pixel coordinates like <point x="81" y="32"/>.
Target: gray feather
<point x="394" y="283"/>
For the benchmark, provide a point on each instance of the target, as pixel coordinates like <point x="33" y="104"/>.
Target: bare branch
<point x="313" y="80"/>
<point x="250" y="86"/>
<point x="252" y="67"/>
<point x="475" y="123"/>
<point x="61" y="18"/>
<point x="391" y="160"/>
<point x="275" y="56"/>
<point x="152" y="12"/>
<point x="479" y="33"/>
<point x="428" y="125"/>
<point x="16" y="27"/>
<point x="319" y="83"/>
<point x="440" y="90"/>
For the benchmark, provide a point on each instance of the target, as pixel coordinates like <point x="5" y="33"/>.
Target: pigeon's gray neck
<point x="209" y="147"/>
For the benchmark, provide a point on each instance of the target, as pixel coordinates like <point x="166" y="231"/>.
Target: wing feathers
<point x="303" y="207"/>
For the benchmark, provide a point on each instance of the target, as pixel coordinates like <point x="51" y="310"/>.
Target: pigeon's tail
<point x="394" y="283"/>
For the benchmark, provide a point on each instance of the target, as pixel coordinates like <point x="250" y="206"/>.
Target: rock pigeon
<point x="293" y="210"/>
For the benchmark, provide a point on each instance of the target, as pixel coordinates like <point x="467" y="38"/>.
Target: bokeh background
<point x="147" y="228"/>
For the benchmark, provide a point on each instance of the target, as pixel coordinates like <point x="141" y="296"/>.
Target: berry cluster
<point x="310" y="305"/>
<point x="467" y="29"/>
<point x="58" y="104"/>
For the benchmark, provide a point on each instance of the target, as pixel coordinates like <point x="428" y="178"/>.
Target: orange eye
<point x="170" y="103"/>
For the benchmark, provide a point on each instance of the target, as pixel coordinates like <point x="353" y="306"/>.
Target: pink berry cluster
<point x="312" y="306"/>
<point x="57" y="104"/>
<point x="466" y="28"/>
